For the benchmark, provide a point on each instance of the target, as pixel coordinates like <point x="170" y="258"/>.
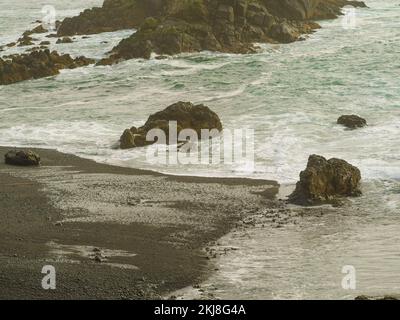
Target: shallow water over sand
<point x="291" y="95"/>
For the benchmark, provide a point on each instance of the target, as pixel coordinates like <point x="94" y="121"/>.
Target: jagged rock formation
<point x="186" y="115"/>
<point x="325" y="181"/>
<point x="37" y="64"/>
<point x="174" y="26"/>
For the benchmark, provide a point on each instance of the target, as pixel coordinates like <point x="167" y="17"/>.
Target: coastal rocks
<point x="37" y="29"/>
<point x="37" y="64"/>
<point x="25" y="40"/>
<point x="22" y="158"/>
<point x="284" y="33"/>
<point x="168" y="27"/>
<point x="352" y="121"/>
<point x="127" y="140"/>
<point x="325" y="181"/>
<point x="64" y="40"/>
<point x="114" y="15"/>
<point x="186" y="115"/>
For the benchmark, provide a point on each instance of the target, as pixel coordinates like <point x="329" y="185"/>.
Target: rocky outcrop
<point x="326" y="181"/>
<point x="352" y="121"/>
<point x="22" y="158"/>
<point x="174" y="26"/>
<point x="186" y="115"/>
<point x="114" y="15"/>
<point x="37" y="64"/>
<point x="25" y="40"/>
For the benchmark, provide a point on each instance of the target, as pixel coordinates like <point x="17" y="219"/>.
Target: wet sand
<point x="152" y="229"/>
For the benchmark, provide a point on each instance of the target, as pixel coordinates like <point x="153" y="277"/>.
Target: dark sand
<point x="57" y="213"/>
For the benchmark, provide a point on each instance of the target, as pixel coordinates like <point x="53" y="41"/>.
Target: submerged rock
<point x="22" y="158"/>
<point x="352" y="121"/>
<point x="37" y="64"/>
<point x="324" y="181"/>
<point x="187" y="116"/>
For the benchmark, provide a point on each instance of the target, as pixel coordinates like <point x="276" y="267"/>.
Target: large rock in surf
<point x="22" y="158"/>
<point x="37" y="64"/>
<point x="187" y="116"/>
<point x="175" y="26"/>
<point x="352" y="121"/>
<point x="325" y="181"/>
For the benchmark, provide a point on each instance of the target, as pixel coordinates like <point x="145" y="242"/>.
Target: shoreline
<point x="152" y="228"/>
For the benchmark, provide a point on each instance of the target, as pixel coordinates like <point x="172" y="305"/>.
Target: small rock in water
<point x="352" y="121"/>
<point x="64" y="40"/>
<point x="22" y="158"/>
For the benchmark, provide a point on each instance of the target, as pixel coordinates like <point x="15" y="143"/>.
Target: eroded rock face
<point x="187" y="116"/>
<point x="352" y="121"/>
<point x="22" y="158"/>
<point x="325" y="181"/>
<point x="37" y="64"/>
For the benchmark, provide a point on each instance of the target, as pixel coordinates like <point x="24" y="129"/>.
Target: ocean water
<point x="290" y="95"/>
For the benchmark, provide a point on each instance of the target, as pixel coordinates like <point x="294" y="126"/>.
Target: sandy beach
<point x="152" y="229"/>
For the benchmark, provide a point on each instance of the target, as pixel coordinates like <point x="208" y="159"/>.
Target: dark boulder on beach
<point x="22" y="158"/>
<point x="37" y="64"/>
<point x="352" y="121"/>
<point x="326" y="181"/>
<point x="186" y="115"/>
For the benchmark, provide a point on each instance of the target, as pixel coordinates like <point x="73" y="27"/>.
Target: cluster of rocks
<point x="327" y="181"/>
<point x="22" y="158"/>
<point x="187" y="116"/>
<point x="175" y="26"/>
<point x="37" y="64"/>
<point x="168" y="27"/>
